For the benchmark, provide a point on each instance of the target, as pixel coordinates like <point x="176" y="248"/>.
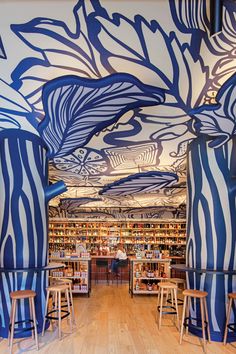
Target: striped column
<point x="211" y="226"/>
<point x="23" y="220"/>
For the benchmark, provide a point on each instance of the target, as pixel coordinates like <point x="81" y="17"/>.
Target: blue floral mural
<point x="109" y="93"/>
<point x="97" y="47"/>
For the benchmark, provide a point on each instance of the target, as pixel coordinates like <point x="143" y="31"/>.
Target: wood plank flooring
<point x="111" y="322"/>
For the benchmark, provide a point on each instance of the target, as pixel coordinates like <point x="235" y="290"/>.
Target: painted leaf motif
<point x="12" y="101"/>
<point x="71" y="203"/>
<point x="218" y="120"/>
<point x="77" y="108"/>
<point x="140" y="183"/>
<point x="8" y="122"/>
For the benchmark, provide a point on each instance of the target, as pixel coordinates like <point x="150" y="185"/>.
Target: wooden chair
<point x="232" y="326"/>
<point x="201" y="295"/>
<point x="165" y="288"/>
<point x="56" y="291"/>
<point x="22" y="295"/>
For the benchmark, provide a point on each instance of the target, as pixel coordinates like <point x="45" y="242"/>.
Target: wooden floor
<point x="110" y="321"/>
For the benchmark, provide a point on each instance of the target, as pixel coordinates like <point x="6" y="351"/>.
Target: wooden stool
<point x="179" y="282"/>
<point x="102" y="264"/>
<point x="231" y="297"/>
<point x="164" y="289"/>
<point x="201" y="295"/>
<point x="19" y="295"/>
<point x="123" y="263"/>
<point x="69" y="282"/>
<point x="56" y="291"/>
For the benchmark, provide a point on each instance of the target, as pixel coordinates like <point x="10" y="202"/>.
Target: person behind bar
<point x="120" y="257"/>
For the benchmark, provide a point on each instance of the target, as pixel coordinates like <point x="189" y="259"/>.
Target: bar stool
<point x="179" y="282"/>
<point x="56" y="291"/>
<point x="20" y="295"/>
<point x="102" y="264"/>
<point x="164" y="289"/>
<point x="232" y="326"/>
<point x="69" y="282"/>
<point x="201" y="295"/>
<point x="119" y="276"/>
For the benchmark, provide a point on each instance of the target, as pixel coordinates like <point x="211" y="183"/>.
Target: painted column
<point x="211" y="220"/>
<point x="24" y="221"/>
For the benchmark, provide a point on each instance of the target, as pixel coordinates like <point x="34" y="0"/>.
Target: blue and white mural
<point x="108" y="89"/>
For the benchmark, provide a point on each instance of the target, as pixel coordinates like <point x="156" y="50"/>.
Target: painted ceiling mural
<point x="82" y="59"/>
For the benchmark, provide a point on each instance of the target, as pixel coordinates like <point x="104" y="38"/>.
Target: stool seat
<point x="232" y="296"/>
<point x="195" y="293"/>
<point x="167" y="285"/>
<point x="58" y="288"/>
<point x="22" y="294"/>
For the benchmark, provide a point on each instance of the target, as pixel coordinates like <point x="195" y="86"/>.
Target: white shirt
<point x="121" y="255"/>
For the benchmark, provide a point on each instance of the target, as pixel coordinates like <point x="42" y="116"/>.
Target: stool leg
<point x="35" y="323"/>
<point x="203" y="327"/>
<point x="59" y="314"/>
<point x="45" y="312"/>
<point x="72" y="304"/>
<point x="160" y="314"/>
<point x="172" y="297"/>
<point x="158" y="301"/>
<point x="183" y="317"/>
<point x="176" y="307"/>
<point x="227" y="320"/>
<point x="207" y="319"/>
<point x="68" y="307"/>
<point x="107" y="270"/>
<point x="167" y="296"/>
<point x="31" y="314"/>
<point x="12" y="323"/>
<point x="188" y="311"/>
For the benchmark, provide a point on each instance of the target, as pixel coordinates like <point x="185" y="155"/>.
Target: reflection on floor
<point x="111" y="322"/>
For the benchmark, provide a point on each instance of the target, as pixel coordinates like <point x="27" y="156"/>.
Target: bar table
<point x="206" y="279"/>
<point x="18" y="280"/>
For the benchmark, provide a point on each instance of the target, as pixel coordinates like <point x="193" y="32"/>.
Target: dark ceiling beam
<point x="216" y="7"/>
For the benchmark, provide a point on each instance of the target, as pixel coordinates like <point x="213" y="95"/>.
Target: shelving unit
<point x="64" y="234"/>
<point x="78" y="270"/>
<point x="146" y="273"/>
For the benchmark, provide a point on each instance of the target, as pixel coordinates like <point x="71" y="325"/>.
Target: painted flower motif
<point x="82" y="162"/>
<point x="219" y="120"/>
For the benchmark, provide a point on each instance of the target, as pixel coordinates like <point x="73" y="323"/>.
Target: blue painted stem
<point x="211" y="227"/>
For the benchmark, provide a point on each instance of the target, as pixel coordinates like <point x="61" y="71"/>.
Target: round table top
<point x="184" y="268"/>
<point x="50" y="266"/>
